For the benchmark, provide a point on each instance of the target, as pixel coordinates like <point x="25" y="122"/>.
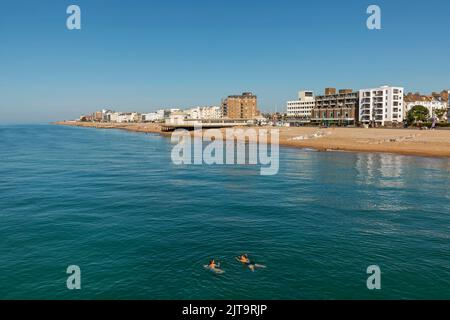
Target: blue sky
<point x="142" y="55"/>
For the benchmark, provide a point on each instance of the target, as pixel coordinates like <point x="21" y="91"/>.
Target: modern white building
<point x="301" y="108"/>
<point x="124" y="117"/>
<point x="176" y="118"/>
<point x="381" y="106"/>
<point x="153" y="116"/>
<point x="432" y="107"/>
<point x="112" y="117"/>
<point x="204" y="113"/>
<point x="106" y="114"/>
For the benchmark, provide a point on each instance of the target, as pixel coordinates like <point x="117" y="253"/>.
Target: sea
<point x="139" y="226"/>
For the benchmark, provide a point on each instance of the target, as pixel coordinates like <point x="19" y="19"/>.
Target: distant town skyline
<point x="143" y="56"/>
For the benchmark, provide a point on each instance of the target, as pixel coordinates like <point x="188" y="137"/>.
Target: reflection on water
<point x="384" y="169"/>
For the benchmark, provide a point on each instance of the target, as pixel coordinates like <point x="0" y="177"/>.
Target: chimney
<point x="330" y="91"/>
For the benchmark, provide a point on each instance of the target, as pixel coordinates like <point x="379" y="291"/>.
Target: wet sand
<point x="434" y="143"/>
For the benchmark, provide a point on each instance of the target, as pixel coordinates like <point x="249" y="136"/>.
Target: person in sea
<point x="244" y="259"/>
<point x="213" y="265"/>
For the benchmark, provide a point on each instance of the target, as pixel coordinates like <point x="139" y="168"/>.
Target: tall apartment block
<point x="333" y="107"/>
<point x="381" y="106"/>
<point x="240" y="106"/>
<point x="302" y="108"/>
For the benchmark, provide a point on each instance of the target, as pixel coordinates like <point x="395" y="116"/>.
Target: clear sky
<point x="140" y="55"/>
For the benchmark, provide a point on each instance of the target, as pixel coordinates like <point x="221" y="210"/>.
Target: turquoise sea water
<point x="140" y="227"/>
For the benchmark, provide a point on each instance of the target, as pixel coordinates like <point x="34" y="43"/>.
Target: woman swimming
<point x="244" y="259"/>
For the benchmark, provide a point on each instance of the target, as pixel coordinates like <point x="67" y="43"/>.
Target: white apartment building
<point x="203" y="113"/>
<point x="112" y="117"/>
<point x="176" y="117"/>
<point x="153" y="116"/>
<point x="106" y="115"/>
<point x="124" y="117"/>
<point x="432" y="107"/>
<point x="381" y="106"/>
<point x="213" y="112"/>
<point x="301" y="108"/>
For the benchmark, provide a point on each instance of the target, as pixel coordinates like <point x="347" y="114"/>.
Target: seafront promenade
<point x="430" y="143"/>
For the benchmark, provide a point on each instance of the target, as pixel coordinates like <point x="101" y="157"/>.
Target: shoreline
<point x="433" y="143"/>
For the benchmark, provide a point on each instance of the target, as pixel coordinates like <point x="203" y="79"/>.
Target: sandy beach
<point x="434" y="143"/>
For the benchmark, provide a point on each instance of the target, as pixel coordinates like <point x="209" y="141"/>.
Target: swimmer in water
<point x="212" y="264"/>
<point x="244" y="259"/>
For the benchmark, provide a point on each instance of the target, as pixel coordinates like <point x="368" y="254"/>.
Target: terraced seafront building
<point x="336" y="108"/>
<point x="434" y="107"/>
